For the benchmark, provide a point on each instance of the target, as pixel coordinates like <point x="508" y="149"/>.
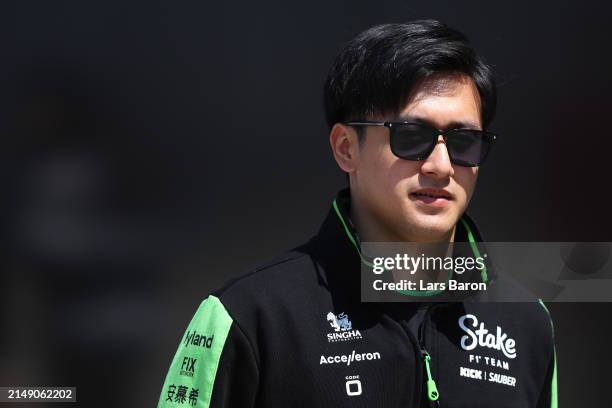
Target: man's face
<point x="398" y="193"/>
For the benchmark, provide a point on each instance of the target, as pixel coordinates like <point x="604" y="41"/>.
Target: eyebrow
<point x="451" y="125"/>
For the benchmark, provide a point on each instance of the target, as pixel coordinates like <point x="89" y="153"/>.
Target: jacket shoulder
<point x="269" y="279"/>
<point x="260" y="299"/>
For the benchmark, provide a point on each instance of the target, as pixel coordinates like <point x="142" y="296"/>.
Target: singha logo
<point x="340" y="322"/>
<point x="343" y="328"/>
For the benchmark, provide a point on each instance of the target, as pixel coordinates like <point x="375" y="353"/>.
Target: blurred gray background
<point x="154" y="150"/>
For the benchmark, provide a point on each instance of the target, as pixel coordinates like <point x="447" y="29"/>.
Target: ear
<point x="345" y="146"/>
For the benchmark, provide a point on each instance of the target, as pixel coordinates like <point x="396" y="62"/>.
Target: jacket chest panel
<point x="346" y="364"/>
<point x="479" y="360"/>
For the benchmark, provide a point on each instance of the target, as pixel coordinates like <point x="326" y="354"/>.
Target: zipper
<point x="433" y="395"/>
<point x="432" y="389"/>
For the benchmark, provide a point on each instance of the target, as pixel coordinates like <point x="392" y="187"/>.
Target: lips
<point x="432" y="193"/>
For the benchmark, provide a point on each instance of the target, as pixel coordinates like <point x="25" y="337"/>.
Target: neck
<point x="372" y="229"/>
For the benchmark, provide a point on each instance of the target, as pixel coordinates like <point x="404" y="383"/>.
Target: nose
<point x="438" y="164"/>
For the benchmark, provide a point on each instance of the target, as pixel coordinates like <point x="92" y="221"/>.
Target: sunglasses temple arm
<point x="365" y="123"/>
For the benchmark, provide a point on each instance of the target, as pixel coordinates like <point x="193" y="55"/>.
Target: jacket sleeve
<point x="548" y="397"/>
<point x="214" y="366"/>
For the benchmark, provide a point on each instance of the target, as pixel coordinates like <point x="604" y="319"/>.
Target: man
<point x="407" y="106"/>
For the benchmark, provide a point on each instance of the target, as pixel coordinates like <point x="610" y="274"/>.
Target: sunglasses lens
<point x="467" y="147"/>
<point x="411" y="141"/>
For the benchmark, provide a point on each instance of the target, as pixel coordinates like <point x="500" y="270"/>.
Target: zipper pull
<point x="432" y="389"/>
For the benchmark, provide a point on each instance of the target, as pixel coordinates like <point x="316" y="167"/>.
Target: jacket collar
<point x="337" y="247"/>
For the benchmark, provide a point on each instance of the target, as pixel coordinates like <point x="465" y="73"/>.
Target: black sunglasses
<point x="416" y="141"/>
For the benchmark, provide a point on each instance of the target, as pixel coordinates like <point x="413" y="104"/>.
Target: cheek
<point x="385" y="173"/>
<point x="465" y="177"/>
<point x="377" y="163"/>
<point x="396" y="175"/>
<point x="404" y="173"/>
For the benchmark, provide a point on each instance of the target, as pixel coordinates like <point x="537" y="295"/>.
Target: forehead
<point x="443" y="100"/>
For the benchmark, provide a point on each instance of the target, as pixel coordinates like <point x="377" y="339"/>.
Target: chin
<point x="432" y="227"/>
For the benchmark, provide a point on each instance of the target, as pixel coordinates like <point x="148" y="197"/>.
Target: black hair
<point x="377" y="70"/>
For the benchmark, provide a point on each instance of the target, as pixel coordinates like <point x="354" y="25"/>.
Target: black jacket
<point x="293" y="333"/>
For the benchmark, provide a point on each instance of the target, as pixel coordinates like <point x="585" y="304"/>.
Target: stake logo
<point x="481" y="337"/>
<point x="343" y="328"/>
